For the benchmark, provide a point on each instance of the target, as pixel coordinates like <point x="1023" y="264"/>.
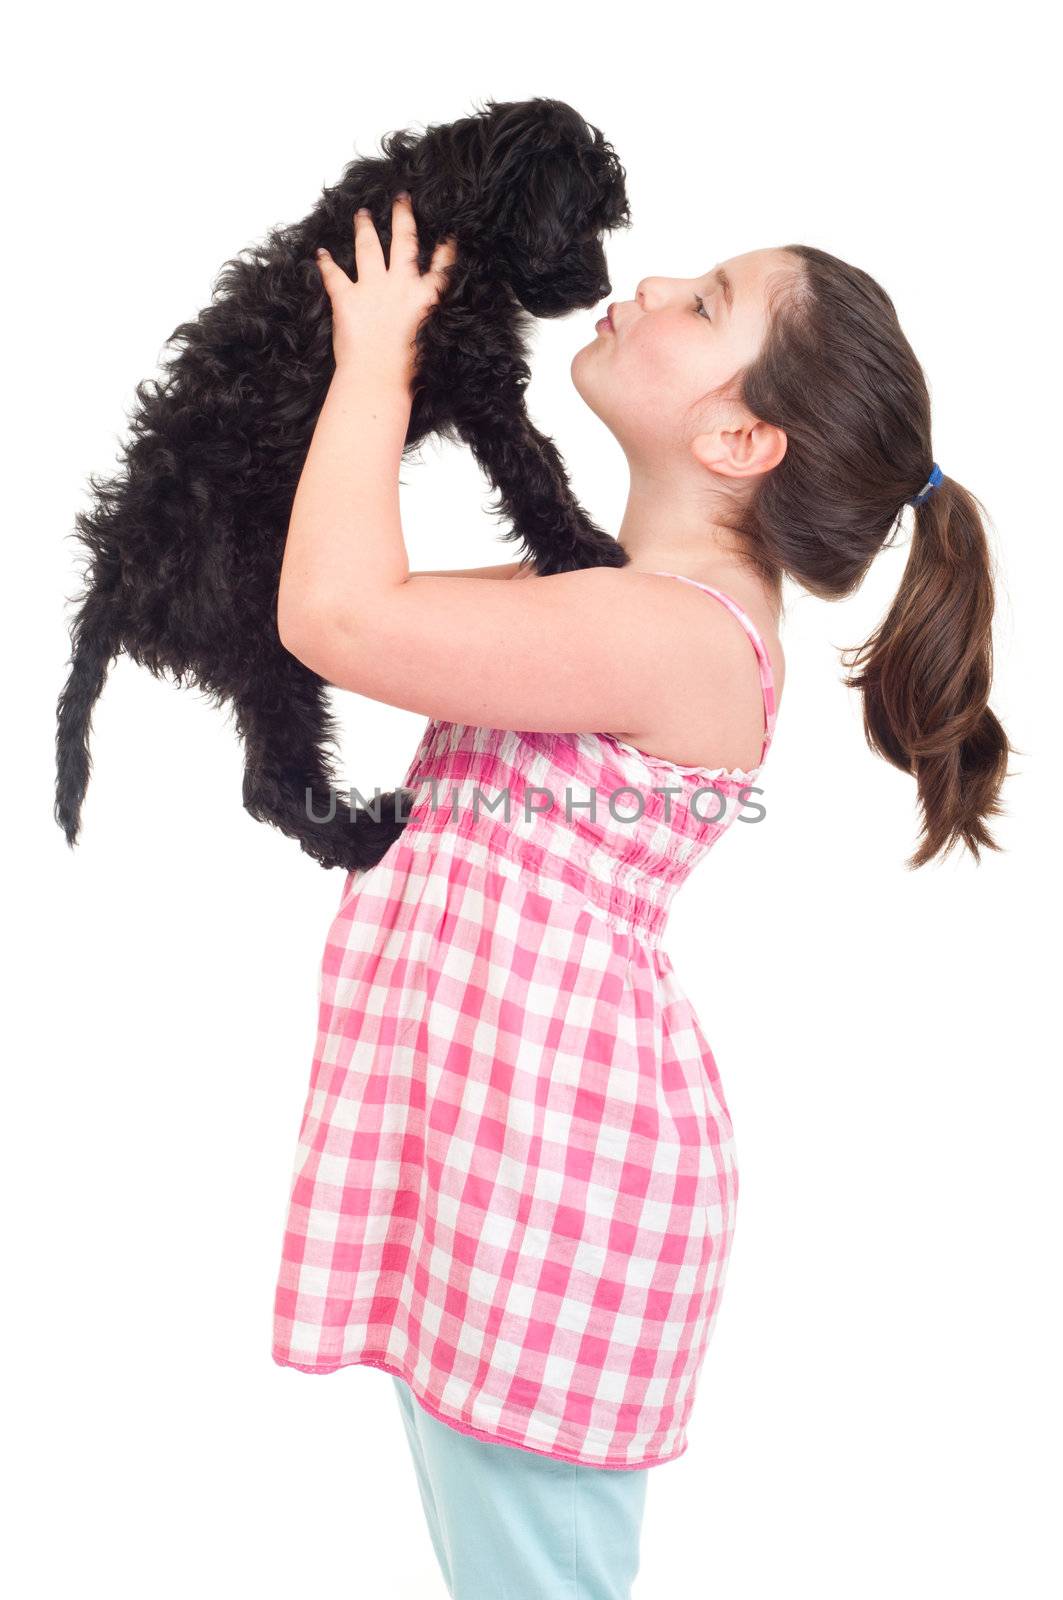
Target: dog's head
<point x="526" y="186"/>
<point x="549" y="186"/>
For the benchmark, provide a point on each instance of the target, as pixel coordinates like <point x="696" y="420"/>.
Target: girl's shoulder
<point x="730" y="670"/>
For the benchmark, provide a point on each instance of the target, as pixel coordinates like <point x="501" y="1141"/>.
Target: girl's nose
<point x="652" y="292"/>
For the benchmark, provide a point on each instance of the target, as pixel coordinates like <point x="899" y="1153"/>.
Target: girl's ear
<point x="740" y="448"/>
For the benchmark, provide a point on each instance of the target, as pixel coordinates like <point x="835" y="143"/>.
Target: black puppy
<point x="186" y="542"/>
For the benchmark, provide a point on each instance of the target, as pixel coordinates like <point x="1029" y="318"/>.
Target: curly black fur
<point x="186" y="541"/>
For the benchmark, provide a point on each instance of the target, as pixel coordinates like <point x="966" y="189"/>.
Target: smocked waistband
<point x="635" y="909"/>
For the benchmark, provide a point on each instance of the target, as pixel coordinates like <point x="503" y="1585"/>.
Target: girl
<point x="515" y="1183"/>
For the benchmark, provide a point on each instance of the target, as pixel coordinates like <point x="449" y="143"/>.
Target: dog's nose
<point x="603" y="288"/>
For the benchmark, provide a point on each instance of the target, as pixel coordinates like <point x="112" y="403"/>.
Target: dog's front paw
<point x="589" y="550"/>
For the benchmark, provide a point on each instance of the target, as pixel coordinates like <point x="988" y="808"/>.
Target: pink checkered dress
<point x="515" y="1180"/>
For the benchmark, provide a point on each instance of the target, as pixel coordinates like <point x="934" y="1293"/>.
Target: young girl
<point x="515" y="1184"/>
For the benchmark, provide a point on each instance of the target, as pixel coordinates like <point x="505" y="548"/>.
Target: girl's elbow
<point x="303" y="631"/>
<point x="326" y="646"/>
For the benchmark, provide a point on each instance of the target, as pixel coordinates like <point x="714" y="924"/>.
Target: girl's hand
<point x="375" y="321"/>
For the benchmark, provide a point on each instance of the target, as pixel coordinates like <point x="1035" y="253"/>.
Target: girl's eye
<point x="701" y="308"/>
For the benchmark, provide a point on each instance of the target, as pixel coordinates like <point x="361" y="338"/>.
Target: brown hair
<point x="838" y="376"/>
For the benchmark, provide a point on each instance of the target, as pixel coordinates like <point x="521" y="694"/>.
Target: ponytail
<point x="837" y="375"/>
<point x="926" y="674"/>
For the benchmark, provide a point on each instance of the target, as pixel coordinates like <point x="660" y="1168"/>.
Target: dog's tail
<point x="96" y="642"/>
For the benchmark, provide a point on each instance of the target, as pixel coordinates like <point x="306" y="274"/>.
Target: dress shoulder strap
<point x="767" y="676"/>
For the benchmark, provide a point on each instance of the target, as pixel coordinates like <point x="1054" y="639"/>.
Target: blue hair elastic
<point x="928" y="488"/>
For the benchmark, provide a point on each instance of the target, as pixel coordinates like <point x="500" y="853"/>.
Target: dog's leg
<point x="527" y="470"/>
<point x="534" y="492"/>
<point x="285" y="723"/>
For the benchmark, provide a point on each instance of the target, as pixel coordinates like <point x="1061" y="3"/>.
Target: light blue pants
<point x="511" y="1524"/>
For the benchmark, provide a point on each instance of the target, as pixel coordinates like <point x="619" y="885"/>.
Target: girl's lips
<point x="603" y="325"/>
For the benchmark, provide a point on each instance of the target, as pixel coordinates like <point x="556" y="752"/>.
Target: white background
<point x="878" y="1413"/>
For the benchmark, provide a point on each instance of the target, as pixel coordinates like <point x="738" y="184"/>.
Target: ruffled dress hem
<point x="501" y="1435"/>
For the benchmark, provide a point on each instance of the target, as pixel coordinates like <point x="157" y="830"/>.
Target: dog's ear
<point x="534" y="214"/>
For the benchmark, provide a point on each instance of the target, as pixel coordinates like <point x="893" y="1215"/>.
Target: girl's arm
<point x="510" y="569"/>
<point x="576" y="651"/>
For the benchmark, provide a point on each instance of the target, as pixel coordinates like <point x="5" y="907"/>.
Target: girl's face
<point x="676" y="340"/>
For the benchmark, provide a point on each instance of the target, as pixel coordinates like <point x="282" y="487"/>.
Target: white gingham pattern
<point x="515" y="1180"/>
